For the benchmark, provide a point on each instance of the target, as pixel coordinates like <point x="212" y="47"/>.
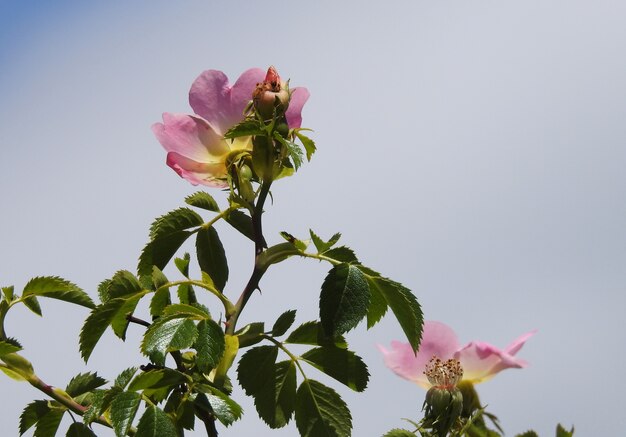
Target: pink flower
<point x="195" y="144"/>
<point x="480" y="361"/>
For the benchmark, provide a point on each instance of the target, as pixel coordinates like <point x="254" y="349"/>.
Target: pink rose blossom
<point x="480" y="361"/>
<point x="195" y="144"/>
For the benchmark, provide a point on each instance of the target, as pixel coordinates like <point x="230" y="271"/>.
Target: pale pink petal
<point x="189" y="136"/>
<point x="517" y="344"/>
<point x="481" y="361"/>
<point x="299" y="96"/>
<point x="203" y="173"/>
<point x="437" y="339"/>
<point x="212" y="97"/>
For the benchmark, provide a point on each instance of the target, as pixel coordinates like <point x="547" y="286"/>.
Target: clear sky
<point x="472" y="150"/>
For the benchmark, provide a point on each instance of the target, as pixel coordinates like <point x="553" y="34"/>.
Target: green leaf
<point x="241" y="222"/>
<point x="404" y="306"/>
<point x="160" y="301"/>
<point x="168" y="334"/>
<point x="78" y="429"/>
<point x="397" y="432"/>
<point x="124" y="378"/>
<point x="48" y="424"/>
<point x="311" y="333"/>
<point x="32" y="413"/>
<point x="344" y="299"/>
<point x="248" y="127"/>
<point x="342" y="254"/>
<point x="155" y="423"/>
<point x="177" y="220"/>
<point x="57" y="288"/>
<point x="275" y="403"/>
<point x="157" y="378"/>
<point x="182" y="264"/>
<point x="32" y="304"/>
<point x="186" y="295"/>
<point x="159" y="252"/>
<point x="122" y="284"/>
<point x="308" y="143"/>
<point x="96" y="323"/>
<point x="9" y="346"/>
<point x="343" y="365"/>
<point x="378" y="305"/>
<point x="123" y="410"/>
<point x="251" y="334"/>
<point x="562" y="432"/>
<point x="158" y="278"/>
<point x="223" y="407"/>
<point x="18" y="364"/>
<point x="256" y="368"/>
<point x="293" y="150"/>
<point x="83" y="383"/>
<point x="196" y="311"/>
<point x="202" y="200"/>
<point x="320" y="411"/>
<point x="322" y="246"/>
<point x="283" y="323"/>
<point x="529" y="433"/>
<point x="210" y="345"/>
<point x="9" y="293"/>
<point x="120" y="322"/>
<point x="211" y="256"/>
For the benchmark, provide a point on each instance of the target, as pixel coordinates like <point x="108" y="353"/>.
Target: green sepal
<point x="210" y="345"/>
<point x="283" y="323"/>
<point x="78" y="429"/>
<point x="168" y="334"/>
<point x="341" y="364"/>
<point x="211" y="256"/>
<point x="155" y="423"/>
<point x="344" y="299"/>
<point x="320" y="411"/>
<point x="202" y="199"/>
<point x="312" y="333"/>
<point x="123" y="410"/>
<point x="57" y="288"/>
<point x="84" y="383"/>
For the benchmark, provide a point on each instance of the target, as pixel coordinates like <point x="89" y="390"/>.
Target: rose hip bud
<point x="271" y="93"/>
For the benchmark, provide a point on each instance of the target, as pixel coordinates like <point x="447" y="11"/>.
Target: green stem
<point x="293" y="358"/>
<point x="221" y="215"/>
<point x="228" y="306"/>
<point x="319" y="257"/>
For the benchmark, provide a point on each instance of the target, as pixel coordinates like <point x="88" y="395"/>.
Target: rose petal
<point x="197" y="172"/>
<point x="190" y="136"/>
<point x="517" y="344"/>
<point x="299" y="96"/>
<point x="403" y="362"/>
<point x="482" y="361"/>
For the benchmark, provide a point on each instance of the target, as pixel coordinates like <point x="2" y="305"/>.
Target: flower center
<point x="445" y="374"/>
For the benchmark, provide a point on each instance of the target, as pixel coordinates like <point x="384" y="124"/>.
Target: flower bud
<point x="444" y="401"/>
<point x="271" y="94"/>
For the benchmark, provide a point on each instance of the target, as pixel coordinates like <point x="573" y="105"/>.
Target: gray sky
<point x="472" y="150"/>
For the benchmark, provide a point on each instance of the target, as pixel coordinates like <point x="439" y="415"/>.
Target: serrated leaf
<point x="275" y="403"/>
<point x="283" y="323"/>
<point x="397" y="432"/>
<point x="158" y="278"/>
<point x="48" y="424"/>
<point x="293" y="150"/>
<point x="308" y="143"/>
<point x="96" y="323"/>
<point x="160" y="301"/>
<point x="168" y="334"/>
<point x="78" y="429"/>
<point x="32" y="304"/>
<point x="320" y="411"/>
<point x="159" y="252"/>
<point x="211" y="256"/>
<point x="210" y="345"/>
<point x="321" y="245"/>
<point x="251" y="334"/>
<point x="222" y="406"/>
<point x="562" y="432"/>
<point x="194" y="311"/>
<point x="57" y="288"/>
<point x="342" y="254"/>
<point x="9" y="293"/>
<point x="94" y="410"/>
<point x="341" y="364"/>
<point x="344" y="299"/>
<point x="248" y="127"/>
<point x="122" y="284"/>
<point x="123" y="410"/>
<point x="83" y="383"/>
<point x="404" y="306"/>
<point x="186" y="294"/>
<point x="157" y="378"/>
<point x="174" y="221"/>
<point x="9" y="347"/>
<point x="377" y="308"/>
<point x="182" y="264"/>
<point x="202" y="200"/>
<point x="155" y="423"/>
<point x="241" y="222"/>
<point x="120" y="321"/>
<point x="31" y="414"/>
<point x="124" y="378"/>
<point x="312" y="333"/>
<point x="256" y="367"/>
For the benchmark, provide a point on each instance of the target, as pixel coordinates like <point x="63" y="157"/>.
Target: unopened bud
<point x="270" y="94"/>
